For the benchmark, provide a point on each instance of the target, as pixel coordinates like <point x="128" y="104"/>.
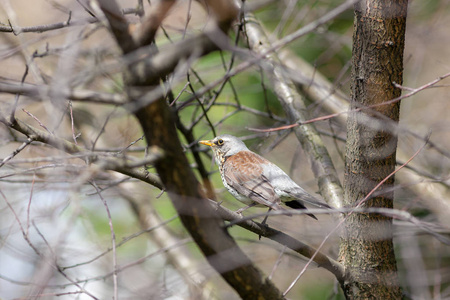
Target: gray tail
<point x="295" y="204"/>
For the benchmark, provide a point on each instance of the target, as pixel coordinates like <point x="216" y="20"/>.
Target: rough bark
<point x="199" y="219"/>
<point x="367" y="247"/>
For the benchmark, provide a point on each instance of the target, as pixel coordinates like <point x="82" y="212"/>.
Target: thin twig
<point x="17" y="151"/>
<point x="37" y="120"/>
<point x="358" y="109"/>
<point x="113" y="240"/>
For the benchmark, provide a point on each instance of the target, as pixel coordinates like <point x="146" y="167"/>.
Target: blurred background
<point x="56" y="229"/>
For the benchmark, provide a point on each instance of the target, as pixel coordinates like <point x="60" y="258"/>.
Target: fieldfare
<point x="254" y="180"/>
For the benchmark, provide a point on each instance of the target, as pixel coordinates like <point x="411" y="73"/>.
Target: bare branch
<point x="294" y="106"/>
<point x="108" y="163"/>
<point x="146" y="32"/>
<point x="321" y="259"/>
<point x="118" y="24"/>
<point x="42" y="91"/>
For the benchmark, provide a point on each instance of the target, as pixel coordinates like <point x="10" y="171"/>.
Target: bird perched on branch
<point x="254" y="180"/>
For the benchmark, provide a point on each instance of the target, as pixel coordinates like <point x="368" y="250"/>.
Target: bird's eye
<point x="220" y="142"/>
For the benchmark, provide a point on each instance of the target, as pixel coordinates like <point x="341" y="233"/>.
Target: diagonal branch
<point x="42" y="91"/>
<point x="321" y="259"/>
<point x="118" y="24"/>
<point x="145" y="34"/>
<point x="294" y="106"/>
<point x="113" y="164"/>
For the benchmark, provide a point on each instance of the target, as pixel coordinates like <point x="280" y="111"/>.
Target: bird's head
<point x="225" y="145"/>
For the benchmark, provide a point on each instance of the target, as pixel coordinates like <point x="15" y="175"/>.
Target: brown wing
<point x="243" y="172"/>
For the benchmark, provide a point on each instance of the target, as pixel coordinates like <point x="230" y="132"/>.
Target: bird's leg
<point x="263" y="223"/>
<point x="240" y="210"/>
<point x="219" y="204"/>
<point x="265" y="218"/>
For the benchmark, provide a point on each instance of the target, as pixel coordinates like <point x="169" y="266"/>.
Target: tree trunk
<point x="197" y="215"/>
<point x="142" y="81"/>
<point x="367" y="247"/>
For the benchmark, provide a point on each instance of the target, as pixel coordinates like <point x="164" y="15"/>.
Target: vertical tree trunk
<point x="367" y="248"/>
<point x="196" y="214"/>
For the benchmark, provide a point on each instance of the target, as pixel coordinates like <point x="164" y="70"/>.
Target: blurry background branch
<point x="158" y="125"/>
<point x="68" y="94"/>
<point x="321" y="259"/>
<point x="295" y="108"/>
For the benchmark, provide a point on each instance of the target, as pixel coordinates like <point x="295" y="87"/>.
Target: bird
<point x="254" y="180"/>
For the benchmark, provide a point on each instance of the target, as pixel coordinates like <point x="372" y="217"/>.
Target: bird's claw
<point x="239" y="212"/>
<point x="264" y="227"/>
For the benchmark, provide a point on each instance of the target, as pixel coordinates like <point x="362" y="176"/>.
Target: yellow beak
<point x="207" y="143"/>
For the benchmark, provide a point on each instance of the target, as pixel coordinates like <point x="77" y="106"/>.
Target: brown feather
<point x="243" y="172"/>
